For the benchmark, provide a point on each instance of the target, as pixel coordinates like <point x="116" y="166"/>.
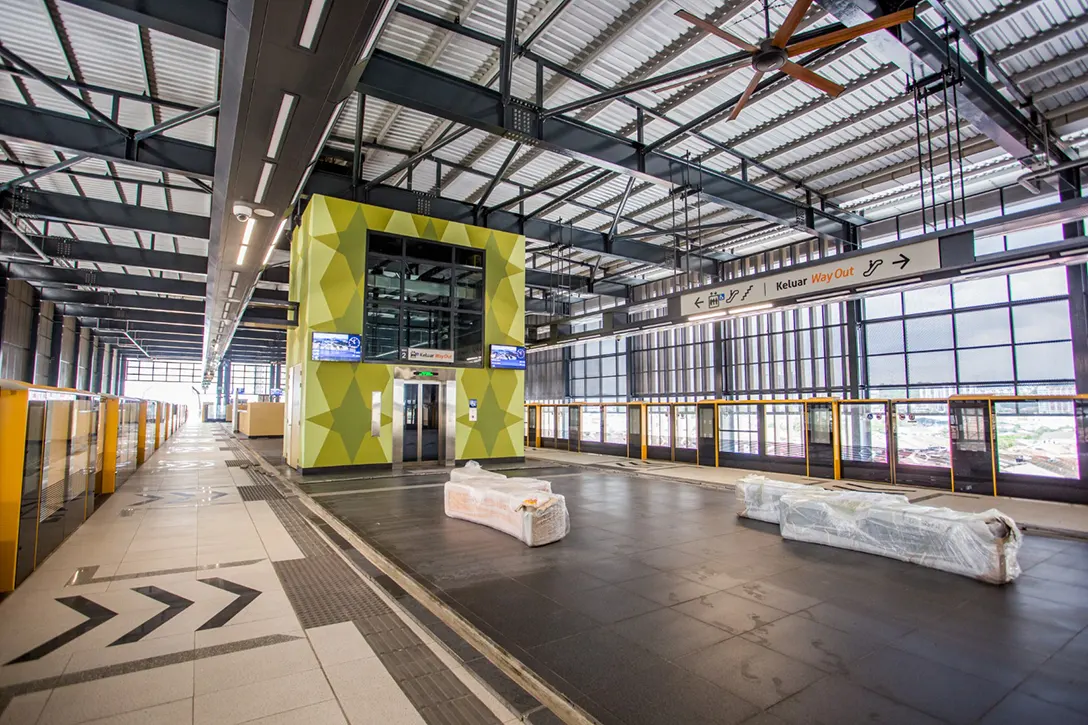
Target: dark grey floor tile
<point x="835" y="701"/>
<point x="1062" y="680"/>
<point x="848" y="616"/>
<point x="755" y="673"/>
<point x="667" y="558"/>
<point x="617" y="569"/>
<point x="607" y="604"/>
<point x="669" y="695"/>
<point x="775" y="596"/>
<point x="595" y="659"/>
<point x="970" y="655"/>
<point x="666" y="588"/>
<point x="1021" y="709"/>
<point x="1071" y="559"/>
<point x="732" y="613"/>
<point x="765" y="718"/>
<point x="938" y="690"/>
<point x="711" y="573"/>
<point x="554" y="580"/>
<point x="829" y="649"/>
<point x="669" y="633"/>
<point x="1054" y="591"/>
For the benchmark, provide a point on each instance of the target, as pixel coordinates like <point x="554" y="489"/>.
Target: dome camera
<point x="242" y="212"/>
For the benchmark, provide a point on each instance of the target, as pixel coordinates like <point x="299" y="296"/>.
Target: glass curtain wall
<point x="422" y="294"/>
<point x="128" y="432"/>
<point x="999" y="335"/>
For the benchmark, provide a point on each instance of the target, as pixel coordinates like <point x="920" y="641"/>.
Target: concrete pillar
<point x="83" y="358"/>
<point x="43" y="343"/>
<point x="17" y="331"/>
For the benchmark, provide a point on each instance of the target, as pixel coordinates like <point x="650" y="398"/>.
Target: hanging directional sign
<point x="853" y="271"/>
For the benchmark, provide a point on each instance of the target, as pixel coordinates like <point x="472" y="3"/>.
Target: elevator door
<point x="422" y="414"/>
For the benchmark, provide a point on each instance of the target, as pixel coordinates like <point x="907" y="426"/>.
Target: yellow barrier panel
<point x="13" y="415"/>
<point x="109" y="447"/>
<point x="141" y="435"/>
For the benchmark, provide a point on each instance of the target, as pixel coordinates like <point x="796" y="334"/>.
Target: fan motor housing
<point x="768" y="58"/>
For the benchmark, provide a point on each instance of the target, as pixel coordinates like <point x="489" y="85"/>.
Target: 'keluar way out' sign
<point x="812" y="280"/>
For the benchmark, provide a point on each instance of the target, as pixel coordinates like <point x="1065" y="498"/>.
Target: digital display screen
<point x="508" y="357"/>
<point x="336" y="347"/>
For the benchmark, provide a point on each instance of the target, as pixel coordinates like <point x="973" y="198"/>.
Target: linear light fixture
<point x="287" y="104"/>
<point x="245" y="240"/>
<point x="275" y="239"/>
<point x="888" y="285"/>
<point x="750" y="308"/>
<point x="377" y="29"/>
<point x="309" y="25"/>
<point x="262" y="183"/>
<point x="1010" y="266"/>
<point x="710" y="316"/>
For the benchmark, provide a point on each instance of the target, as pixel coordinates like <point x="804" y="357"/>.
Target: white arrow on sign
<point x="855" y="271"/>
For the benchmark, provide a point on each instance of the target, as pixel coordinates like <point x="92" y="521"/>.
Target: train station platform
<point x="200" y="593"/>
<point x="662" y="607"/>
<point x="1050" y="517"/>
<point x="217" y="587"/>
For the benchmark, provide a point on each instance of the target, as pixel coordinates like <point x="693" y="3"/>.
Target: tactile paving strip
<point x="324" y="589"/>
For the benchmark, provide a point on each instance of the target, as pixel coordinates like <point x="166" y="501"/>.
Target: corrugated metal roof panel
<point x="185" y="72"/>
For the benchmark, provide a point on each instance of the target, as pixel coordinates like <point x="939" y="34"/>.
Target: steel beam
<point x="406" y="83"/>
<point x="52" y="276"/>
<point x="921" y="50"/>
<point x="99" y="253"/>
<point x="62" y="295"/>
<point x="52" y="206"/>
<point x="201" y="21"/>
<point x="82" y="136"/>
<point x="116" y="313"/>
<point x="391" y="197"/>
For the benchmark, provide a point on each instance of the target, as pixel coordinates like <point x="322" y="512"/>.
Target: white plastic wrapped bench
<point x="529" y="512"/>
<point x="758" y="496"/>
<point x="983" y="545"/>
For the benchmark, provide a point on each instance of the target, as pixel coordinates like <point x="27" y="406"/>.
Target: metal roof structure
<point x="128" y="132"/>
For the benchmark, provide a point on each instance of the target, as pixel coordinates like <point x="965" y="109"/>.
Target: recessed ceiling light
<point x="309" y="26"/>
<point x="272" y="246"/>
<point x="287" y="103"/>
<point x="264" y="213"/>
<point x="245" y="240"/>
<point x="262" y="183"/>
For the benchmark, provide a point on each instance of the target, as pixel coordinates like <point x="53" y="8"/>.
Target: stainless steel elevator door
<point x="422" y="418"/>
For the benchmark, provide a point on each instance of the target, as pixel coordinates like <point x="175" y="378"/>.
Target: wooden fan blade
<point x="698" y="79"/>
<point x="785" y="32"/>
<point x="815" y="80"/>
<point x="746" y="95"/>
<point x="841" y="36"/>
<point x="715" y="30"/>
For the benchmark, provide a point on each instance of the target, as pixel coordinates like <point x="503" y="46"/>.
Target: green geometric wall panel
<point x="328" y="277"/>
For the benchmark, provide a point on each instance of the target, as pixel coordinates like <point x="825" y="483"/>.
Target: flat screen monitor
<point x="508" y="357"/>
<point x="336" y="347"/>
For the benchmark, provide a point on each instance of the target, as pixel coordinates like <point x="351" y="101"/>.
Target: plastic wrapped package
<point x="534" y="516"/>
<point x="473" y="470"/>
<point x="759" y="496"/>
<point x="983" y="545"/>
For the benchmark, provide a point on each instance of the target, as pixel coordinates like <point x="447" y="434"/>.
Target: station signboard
<point x="856" y="271"/>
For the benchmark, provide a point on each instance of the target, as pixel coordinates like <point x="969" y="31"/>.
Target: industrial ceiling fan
<point x="774" y="52"/>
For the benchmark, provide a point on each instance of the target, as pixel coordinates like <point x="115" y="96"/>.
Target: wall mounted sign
<point x="423" y="354"/>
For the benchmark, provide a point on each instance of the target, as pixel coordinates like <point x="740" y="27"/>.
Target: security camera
<point x="242" y="212"/>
